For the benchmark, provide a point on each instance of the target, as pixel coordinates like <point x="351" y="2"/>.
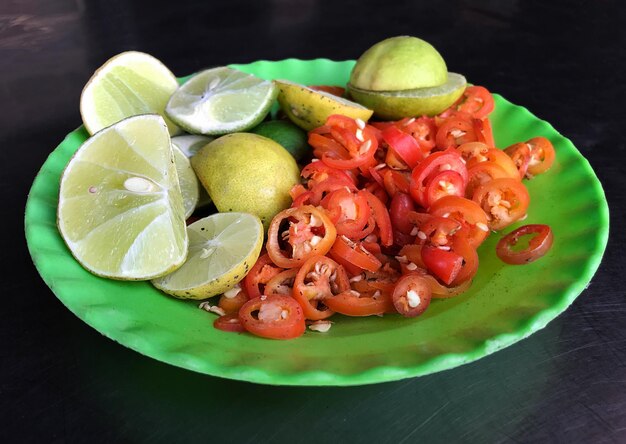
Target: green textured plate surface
<point x="504" y="305"/>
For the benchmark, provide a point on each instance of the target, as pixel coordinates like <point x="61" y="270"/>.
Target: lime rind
<point x="221" y="100"/>
<point x="248" y="173"/>
<point x="399" y="63"/>
<point x="411" y="102"/>
<point x="120" y="207"/>
<point x="455" y="81"/>
<point x="222" y="247"/>
<point x="329" y="96"/>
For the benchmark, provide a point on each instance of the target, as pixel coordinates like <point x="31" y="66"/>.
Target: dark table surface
<point x="61" y="381"/>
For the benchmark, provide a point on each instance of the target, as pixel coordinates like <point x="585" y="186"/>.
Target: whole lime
<point x="287" y="135"/>
<point x="247" y="173"/>
<point x="398" y="63"/>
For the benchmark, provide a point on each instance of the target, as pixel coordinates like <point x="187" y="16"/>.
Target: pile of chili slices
<point x="388" y="216"/>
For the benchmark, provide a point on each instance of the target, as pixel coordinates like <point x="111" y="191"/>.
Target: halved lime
<point x="221" y="100"/>
<point x="128" y="84"/>
<point x="222" y="248"/>
<point x="247" y="173"/>
<point x="397" y="63"/>
<point x="393" y="105"/>
<point x="309" y="108"/>
<point x="190" y="144"/>
<point x="189" y="183"/>
<point x="120" y="207"/>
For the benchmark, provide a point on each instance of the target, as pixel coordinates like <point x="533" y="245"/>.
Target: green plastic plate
<point x="504" y="305"/>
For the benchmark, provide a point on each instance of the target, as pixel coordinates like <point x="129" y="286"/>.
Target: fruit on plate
<point x="399" y="63"/>
<point x="190" y="144"/>
<point x="247" y="173"/>
<point x="221" y="100"/>
<point x="128" y="84"/>
<point x="286" y="134"/>
<point x="222" y="248"/>
<point x="120" y="206"/>
<point x="309" y="108"/>
<point x="189" y="184"/>
<point x="394" y="105"/>
<point x="404" y="77"/>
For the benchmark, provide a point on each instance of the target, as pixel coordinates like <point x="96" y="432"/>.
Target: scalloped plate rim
<point x="376" y="374"/>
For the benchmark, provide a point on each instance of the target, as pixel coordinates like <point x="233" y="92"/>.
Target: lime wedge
<point x="128" y="84"/>
<point x="120" y="207"/>
<point x="221" y="100"/>
<point x="190" y="144"/>
<point x="222" y="248"/>
<point x="309" y="108"/>
<point x="393" y="105"/>
<point x="189" y="183"/>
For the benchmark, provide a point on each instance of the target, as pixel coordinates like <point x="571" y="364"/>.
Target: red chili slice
<point x="503" y="200"/>
<point x="444" y="183"/>
<point x="261" y="272"/>
<point x="455" y="131"/>
<point x="449" y="160"/>
<point x="396" y="181"/>
<point x="354" y="303"/>
<point x="446" y="265"/>
<point x="403" y="145"/>
<point x="539" y="244"/>
<point x="381" y="215"/>
<point x="318" y="279"/>
<point x="344" y="145"/>
<point x="411" y="295"/>
<point x="232" y="304"/>
<point x="273" y="317"/>
<point x="476" y="101"/>
<point x="356" y="254"/>
<point x="229" y="323"/>
<point x="352" y="212"/>
<point x="473" y="220"/>
<point x="520" y="155"/>
<point x="542" y="156"/>
<point x="424" y="130"/>
<point x="296" y="234"/>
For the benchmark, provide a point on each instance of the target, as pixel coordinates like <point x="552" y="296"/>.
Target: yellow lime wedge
<point x="120" y="207"/>
<point x="222" y="248"/>
<point x="309" y="108"/>
<point x="128" y="84"/>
